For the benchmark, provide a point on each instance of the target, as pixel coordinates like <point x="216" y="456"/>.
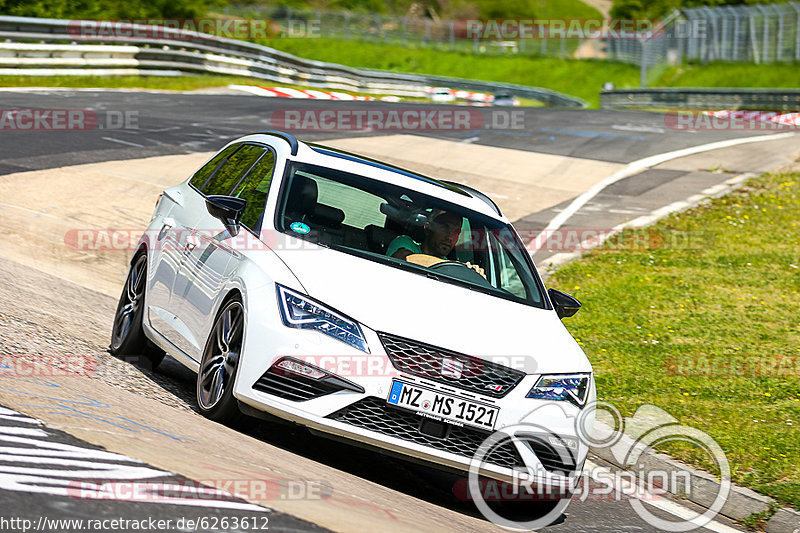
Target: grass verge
<point x="699" y="316"/>
<point x="581" y="78"/>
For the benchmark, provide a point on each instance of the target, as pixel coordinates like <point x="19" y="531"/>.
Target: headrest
<point x="327" y="215"/>
<point x="302" y="195"/>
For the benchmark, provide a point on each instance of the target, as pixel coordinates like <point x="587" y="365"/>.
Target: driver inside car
<point x="441" y="233"/>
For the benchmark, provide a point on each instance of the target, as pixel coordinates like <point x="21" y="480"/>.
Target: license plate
<point x="444" y="407"/>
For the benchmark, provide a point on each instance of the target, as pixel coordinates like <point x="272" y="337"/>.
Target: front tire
<point x="219" y="363"/>
<point x="128" y="340"/>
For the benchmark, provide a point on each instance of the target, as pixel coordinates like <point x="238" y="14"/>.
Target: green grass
<point x="573" y="9"/>
<point x="581" y="78"/>
<point x="662" y="321"/>
<point x="783" y="75"/>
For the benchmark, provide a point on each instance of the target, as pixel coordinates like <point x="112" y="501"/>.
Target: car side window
<point x="201" y="177"/>
<point x="254" y="188"/>
<point x="230" y="173"/>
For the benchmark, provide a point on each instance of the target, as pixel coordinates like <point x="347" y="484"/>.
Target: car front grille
<point x="476" y="375"/>
<point x="375" y="414"/>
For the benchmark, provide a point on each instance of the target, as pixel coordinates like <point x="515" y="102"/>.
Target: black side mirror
<point x="228" y="209"/>
<point x="565" y="304"/>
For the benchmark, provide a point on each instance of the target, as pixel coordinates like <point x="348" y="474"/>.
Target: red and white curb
<point x="288" y="92"/>
<point x="787" y="119"/>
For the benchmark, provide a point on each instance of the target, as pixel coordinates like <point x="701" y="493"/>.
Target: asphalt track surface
<point x="185" y="123"/>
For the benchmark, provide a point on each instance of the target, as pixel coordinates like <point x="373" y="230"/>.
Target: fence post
<point x="753" y="41"/>
<point x="765" y="45"/>
<point x="797" y="43"/>
<point x="779" y="46"/>
<point x="643" y="65"/>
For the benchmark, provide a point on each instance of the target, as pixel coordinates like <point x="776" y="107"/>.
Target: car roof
<point x="322" y="155"/>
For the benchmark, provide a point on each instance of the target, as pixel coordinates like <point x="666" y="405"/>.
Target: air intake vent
<point x="295" y="386"/>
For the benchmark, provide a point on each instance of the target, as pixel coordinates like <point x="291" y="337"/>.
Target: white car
<point x="442" y="95"/>
<point x="362" y="301"/>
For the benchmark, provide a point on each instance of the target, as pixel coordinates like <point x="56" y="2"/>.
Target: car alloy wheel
<point x="127" y="334"/>
<point x="218" y="366"/>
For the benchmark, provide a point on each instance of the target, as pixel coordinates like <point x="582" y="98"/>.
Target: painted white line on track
<point x="21" y="419"/>
<point x="28" y="432"/>
<point x="664" y="504"/>
<point x="633" y="168"/>
<point x="111" y="139"/>
<point x="33" y="211"/>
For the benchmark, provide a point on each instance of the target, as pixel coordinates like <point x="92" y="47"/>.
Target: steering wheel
<point x="447" y="263"/>
<point x="458" y="270"/>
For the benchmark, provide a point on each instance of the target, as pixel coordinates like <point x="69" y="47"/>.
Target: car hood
<point x="391" y="300"/>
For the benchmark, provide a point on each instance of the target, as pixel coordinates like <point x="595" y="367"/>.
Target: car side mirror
<point x="565" y="304"/>
<point x="228" y="209"/>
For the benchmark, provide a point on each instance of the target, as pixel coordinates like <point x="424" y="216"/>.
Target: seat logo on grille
<point x="452" y="368"/>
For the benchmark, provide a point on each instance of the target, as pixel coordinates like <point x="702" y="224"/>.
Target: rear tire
<point x="219" y="364"/>
<point x="128" y="340"/>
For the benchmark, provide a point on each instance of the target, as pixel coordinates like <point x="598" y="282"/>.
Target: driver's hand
<point x="477" y="269"/>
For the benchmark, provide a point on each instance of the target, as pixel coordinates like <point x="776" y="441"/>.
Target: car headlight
<point x="300" y="311"/>
<point x="573" y="388"/>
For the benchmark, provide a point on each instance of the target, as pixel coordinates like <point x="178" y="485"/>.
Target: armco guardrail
<point x="690" y="98"/>
<point x="50" y="46"/>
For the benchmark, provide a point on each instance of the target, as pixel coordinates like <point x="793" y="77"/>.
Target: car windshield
<point x="406" y="229"/>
